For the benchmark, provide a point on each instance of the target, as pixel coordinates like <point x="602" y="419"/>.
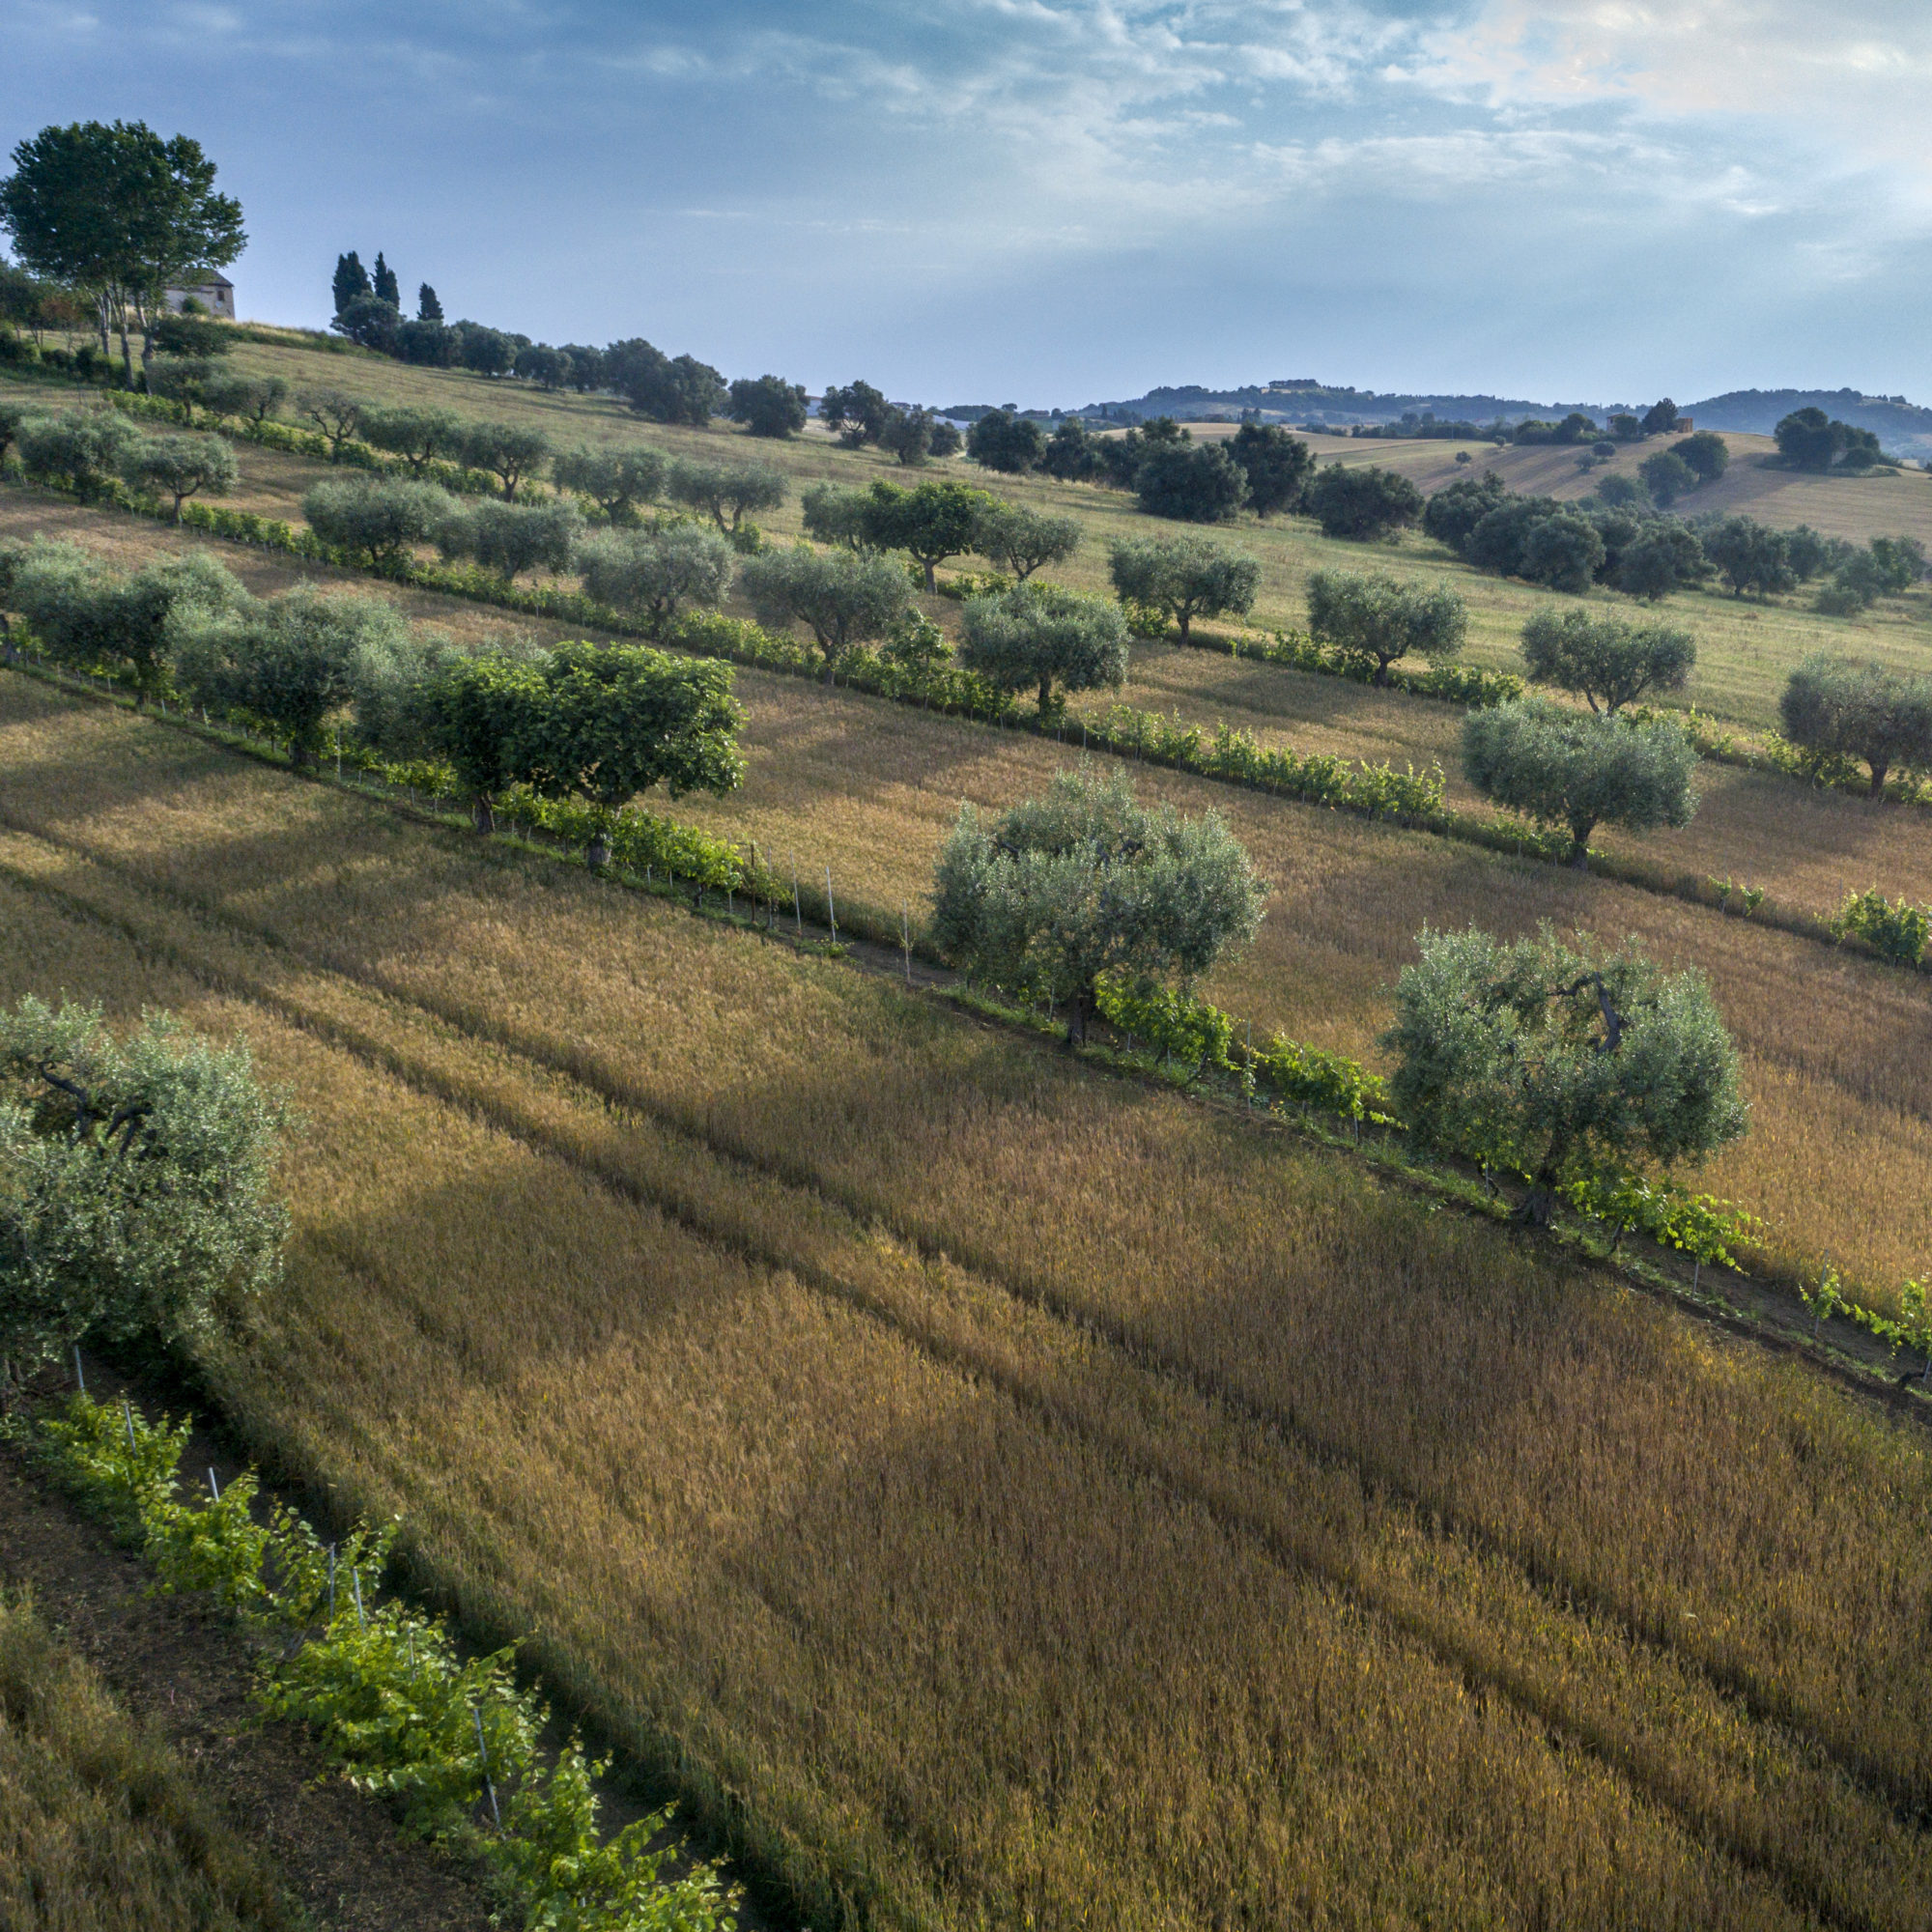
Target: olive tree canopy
<point x="1183" y="577"/>
<point x="1038" y="635"/>
<point x="1559" y="1064"/>
<point x="653" y="574"/>
<point x="1086" y="881"/>
<point x="1607" y="661"/>
<point x="1833" y="707"/>
<point x="845" y="598"/>
<point x="1375" y="621"/>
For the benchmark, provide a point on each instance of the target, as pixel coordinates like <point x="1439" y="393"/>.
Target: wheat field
<point x="994" y="1488"/>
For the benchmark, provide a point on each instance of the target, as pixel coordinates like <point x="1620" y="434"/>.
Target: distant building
<point x="216" y="292"/>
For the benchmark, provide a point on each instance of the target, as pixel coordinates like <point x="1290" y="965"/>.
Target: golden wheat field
<point x="1839" y="1158"/>
<point x="998" y="1493"/>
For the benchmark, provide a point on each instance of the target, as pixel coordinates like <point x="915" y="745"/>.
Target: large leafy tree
<point x="1567" y="769"/>
<point x="930" y="521"/>
<point x="137" y="1196"/>
<point x="1375" y="621"/>
<point x="1038" y="635"/>
<point x="1086" y="881"/>
<point x="1183" y="577"/>
<point x="1557" y="1062"/>
<point x="1750" y="555"/>
<point x="1607" y="661"/>
<point x="856" y="413"/>
<point x="420" y="437"/>
<point x="769" y="405"/>
<point x="1005" y="442"/>
<point x="1276" y="465"/>
<point x="1193" y="483"/>
<point x="666" y="388"/>
<point x="117" y="213"/>
<point x="1366" y="504"/>
<point x="845" y="598"/>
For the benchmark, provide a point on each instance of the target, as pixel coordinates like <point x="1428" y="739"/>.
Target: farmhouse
<point x="214" y="291"/>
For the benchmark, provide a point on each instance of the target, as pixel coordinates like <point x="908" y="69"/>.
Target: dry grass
<point x="101" y="1828"/>
<point x="1841" y="1156"/>
<point x="1138" y="1565"/>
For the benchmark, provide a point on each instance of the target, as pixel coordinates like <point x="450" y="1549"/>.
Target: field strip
<point x="1189" y="1439"/>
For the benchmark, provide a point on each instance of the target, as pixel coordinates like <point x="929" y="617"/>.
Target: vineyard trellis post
<point x="831" y="911"/>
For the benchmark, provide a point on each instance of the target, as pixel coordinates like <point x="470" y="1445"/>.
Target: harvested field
<point x="623" y="1268"/>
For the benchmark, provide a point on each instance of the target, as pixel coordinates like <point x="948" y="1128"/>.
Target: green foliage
<point x="845" y="598"/>
<point x="288" y="661"/>
<point x="1832" y="708"/>
<point x="511" y="538"/>
<point x="1040" y="636"/>
<point x="396" y="1707"/>
<point x="1666" y="476"/>
<point x="769" y="405"/>
<point x="652" y="575"/>
<point x="617" y="481"/>
<point x="509" y="452"/>
<point x="1086" y="882"/>
<point x="1563" y="552"/>
<point x="87" y="617"/>
<point x="136" y="1178"/>
<point x="1017" y="540"/>
<point x="1605" y="661"/>
<point x="665" y="388"/>
<point x="837" y="516"/>
<point x="725" y="491"/>
<point x="179" y="467"/>
<point x="81" y="450"/>
<point x="1895" y="931"/>
<point x="1452" y="513"/>
<point x="1567" y="1065"/>
<point x="1664" y="555"/>
<point x="349" y="280"/>
<point x="1750" y="555"/>
<point x="1194" y="483"/>
<point x="1374" y="620"/>
<point x="1365" y="504"/>
<point x="379" y="524"/>
<point x="1807" y="438"/>
<point x="420" y="437"/>
<point x="1562" y="768"/>
<point x="855" y="413"/>
<point x="930" y="521"/>
<point x="1182" y="577"/>
<point x="1007" y="443"/>
<point x="1276" y="466"/>
<point x="254" y="399"/>
<point x="335" y="413"/>
<point x="1705" y="454"/>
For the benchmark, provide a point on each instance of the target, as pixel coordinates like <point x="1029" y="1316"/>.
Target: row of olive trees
<point x="86" y="452"/>
<point x="1560" y="1063"/>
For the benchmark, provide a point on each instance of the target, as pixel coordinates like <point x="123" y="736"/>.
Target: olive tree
<point x="335" y="414"/>
<point x="1562" y="1065"/>
<point x="1605" y="661"/>
<point x="1580" y="770"/>
<point x="725" y="491"/>
<point x="420" y="437"/>
<point x="288" y="661"/>
<point x="1835" y="708"/>
<point x="845" y="598"/>
<point x="838" y="516"/>
<point x="137" y="1184"/>
<point x="1750" y="555"/>
<point x="88" y="617"/>
<point x="1183" y="577"/>
<point x="381" y="524"/>
<point x="1037" y="635"/>
<point x="256" y="399"/>
<point x="651" y="575"/>
<point x="1373" y="620"/>
<point x="511" y="538"/>
<point x="81" y="450"/>
<point x="1665" y="556"/>
<point x="1086" y="881"/>
<point x="1666" y="476"/>
<point x="615" y="480"/>
<point x="509" y="454"/>
<point x="179" y="467"/>
<point x="1022" y="541"/>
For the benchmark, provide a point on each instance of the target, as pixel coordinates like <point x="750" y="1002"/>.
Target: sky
<point x="1055" y="202"/>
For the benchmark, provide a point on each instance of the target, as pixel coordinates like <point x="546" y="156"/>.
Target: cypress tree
<point x="352" y="279"/>
<point x="385" y="282"/>
<point x="428" y="308"/>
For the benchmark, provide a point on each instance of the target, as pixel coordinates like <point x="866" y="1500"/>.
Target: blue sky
<point x="1059" y="201"/>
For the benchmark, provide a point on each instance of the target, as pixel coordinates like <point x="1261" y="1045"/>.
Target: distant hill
<point x="1901" y="426"/>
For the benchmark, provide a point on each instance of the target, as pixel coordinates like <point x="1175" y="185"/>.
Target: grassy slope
<point x="1746" y="648"/>
<point x="1377" y="1567"/>
<point x="1836" y="1048"/>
